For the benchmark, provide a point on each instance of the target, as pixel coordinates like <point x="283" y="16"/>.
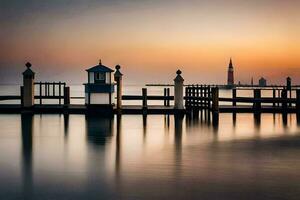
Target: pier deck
<point x="133" y="109"/>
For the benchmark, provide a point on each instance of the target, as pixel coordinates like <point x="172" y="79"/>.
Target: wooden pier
<point x="188" y="99"/>
<point x="197" y="98"/>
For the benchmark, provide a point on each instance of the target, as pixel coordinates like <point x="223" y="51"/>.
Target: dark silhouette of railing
<point x="207" y="97"/>
<point x="46" y="90"/>
<point x="197" y="97"/>
<point x="166" y="98"/>
<point x="52" y="90"/>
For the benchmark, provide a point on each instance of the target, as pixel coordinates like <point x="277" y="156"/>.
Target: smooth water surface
<point x="149" y="157"/>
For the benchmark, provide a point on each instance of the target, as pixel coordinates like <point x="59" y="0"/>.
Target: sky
<point x="151" y="39"/>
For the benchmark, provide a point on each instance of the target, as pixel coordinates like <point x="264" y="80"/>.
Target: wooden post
<point x="279" y="96"/>
<point x="168" y="94"/>
<point x="41" y="93"/>
<point x="22" y="95"/>
<point x="193" y="97"/>
<point x="118" y="78"/>
<point x="53" y="89"/>
<point x="298" y="105"/>
<point x="233" y="97"/>
<point x="201" y="95"/>
<point x="165" y="95"/>
<point x="215" y="105"/>
<point x="59" y="92"/>
<point x="144" y="94"/>
<point x="209" y="97"/>
<point x="28" y="89"/>
<point x="66" y="96"/>
<point x="284" y="100"/>
<point x="257" y="98"/>
<point x="215" y="99"/>
<point x="197" y="96"/>
<point x="290" y="92"/>
<point x="204" y="96"/>
<point x="274" y="98"/>
<point x="46" y="89"/>
<point x="47" y="86"/>
<point x="186" y="96"/>
<point x="208" y="103"/>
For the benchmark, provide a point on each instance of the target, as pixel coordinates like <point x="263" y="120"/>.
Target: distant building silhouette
<point x="230" y="76"/>
<point x="262" y="82"/>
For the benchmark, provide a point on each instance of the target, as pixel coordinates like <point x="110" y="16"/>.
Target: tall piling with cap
<point x="178" y="91"/>
<point x="28" y="87"/>
<point x="215" y="105"/>
<point x="298" y="105"/>
<point x="118" y="78"/>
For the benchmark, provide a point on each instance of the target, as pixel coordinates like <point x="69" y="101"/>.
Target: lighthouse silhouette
<point x="230" y="76"/>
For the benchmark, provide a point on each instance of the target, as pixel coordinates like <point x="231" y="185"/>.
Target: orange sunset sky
<point x="151" y="39"/>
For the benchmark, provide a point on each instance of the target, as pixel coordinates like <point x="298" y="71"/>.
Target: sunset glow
<point x="152" y="39"/>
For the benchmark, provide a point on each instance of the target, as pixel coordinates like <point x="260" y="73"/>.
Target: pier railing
<point x="166" y="98"/>
<point x="199" y="97"/>
<point x="52" y="90"/>
<point x="45" y="90"/>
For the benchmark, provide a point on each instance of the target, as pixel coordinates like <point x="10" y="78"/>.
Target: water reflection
<point x="234" y="119"/>
<point x="66" y="124"/>
<point x="285" y="119"/>
<point x="118" y="145"/>
<point x="257" y="122"/>
<point x="144" y="127"/>
<point x="167" y="123"/>
<point x="27" y="161"/>
<point x="178" y="119"/>
<point x="141" y="161"/>
<point x="99" y="129"/>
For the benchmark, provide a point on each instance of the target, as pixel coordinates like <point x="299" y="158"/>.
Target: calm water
<point x="153" y="157"/>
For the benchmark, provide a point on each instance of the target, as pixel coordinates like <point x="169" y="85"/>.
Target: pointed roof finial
<point x="230" y="63"/>
<point x="100" y="63"/>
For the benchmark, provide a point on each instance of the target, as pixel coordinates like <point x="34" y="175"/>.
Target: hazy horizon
<point x="151" y="39"/>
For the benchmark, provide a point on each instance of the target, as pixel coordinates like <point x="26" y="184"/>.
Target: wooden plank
<point x="139" y="97"/>
<point x="10" y="97"/>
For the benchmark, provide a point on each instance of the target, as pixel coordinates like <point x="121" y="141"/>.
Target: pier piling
<point x="284" y="100"/>
<point x="28" y="89"/>
<point x="144" y="94"/>
<point x="298" y="105"/>
<point x="118" y="78"/>
<point x="215" y="105"/>
<point x="257" y="98"/>
<point x="178" y="91"/>
<point x="66" y="96"/>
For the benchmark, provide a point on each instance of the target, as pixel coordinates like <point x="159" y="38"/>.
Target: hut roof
<point x="99" y="68"/>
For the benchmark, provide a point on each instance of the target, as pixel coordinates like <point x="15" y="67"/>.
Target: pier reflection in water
<point x="244" y="156"/>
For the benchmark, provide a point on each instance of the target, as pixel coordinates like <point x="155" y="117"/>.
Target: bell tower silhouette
<point x="230" y="76"/>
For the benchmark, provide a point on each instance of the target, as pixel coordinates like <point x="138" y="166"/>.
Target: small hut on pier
<point x="100" y="89"/>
